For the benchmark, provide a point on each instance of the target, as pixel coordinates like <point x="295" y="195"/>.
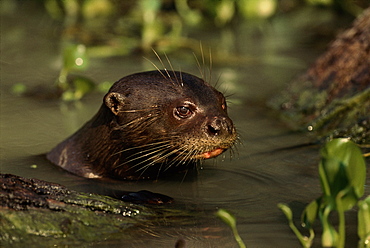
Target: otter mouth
<point x="211" y="154"/>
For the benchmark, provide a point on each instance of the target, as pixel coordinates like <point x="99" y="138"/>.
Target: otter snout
<point x="220" y="126"/>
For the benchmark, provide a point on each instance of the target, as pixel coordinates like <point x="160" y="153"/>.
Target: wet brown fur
<point x="138" y="134"/>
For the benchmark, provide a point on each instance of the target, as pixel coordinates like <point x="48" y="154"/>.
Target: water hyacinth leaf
<point x="310" y="213"/>
<point x="335" y="180"/>
<point x="342" y="173"/>
<point x="349" y="199"/>
<point x="342" y="168"/>
<point x="351" y="157"/>
<point x="333" y="176"/>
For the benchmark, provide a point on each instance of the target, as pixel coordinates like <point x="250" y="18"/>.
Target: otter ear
<point x="114" y="101"/>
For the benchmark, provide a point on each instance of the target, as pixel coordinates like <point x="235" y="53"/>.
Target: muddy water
<point x="268" y="167"/>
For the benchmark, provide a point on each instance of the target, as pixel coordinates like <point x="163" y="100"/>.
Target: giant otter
<point x="149" y="124"/>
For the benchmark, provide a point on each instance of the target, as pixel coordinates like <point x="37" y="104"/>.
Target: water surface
<point x="250" y="183"/>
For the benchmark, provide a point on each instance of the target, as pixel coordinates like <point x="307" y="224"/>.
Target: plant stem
<point x="238" y="239"/>
<point x="342" y="220"/>
<point x="306" y="242"/>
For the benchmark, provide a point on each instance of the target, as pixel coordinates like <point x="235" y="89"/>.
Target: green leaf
<point x="225" y="11"/>
<point x="19" y="89"/>
<point x="104" y="86"/>
<point x="310" y="213"/>
<point x="150" y="5"/>
<point x="342" y="168"/>
<point x="257" y="8"/>
<point x="75" y="57"/>
<point x="349" y="154"/>
<point x="80" y="87"/>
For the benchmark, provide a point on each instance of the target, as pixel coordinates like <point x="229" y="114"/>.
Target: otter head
<point x="156" y="122"/>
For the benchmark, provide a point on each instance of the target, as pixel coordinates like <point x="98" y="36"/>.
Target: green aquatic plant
<point x="75" y="59"/>
<point x="363" y="228"/>
<point x="304" y="240"/>
<point x="342" y="173"/>
<point x="230" y="220"/>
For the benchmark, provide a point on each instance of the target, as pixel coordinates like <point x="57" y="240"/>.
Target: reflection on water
<point x="260" y="174"/>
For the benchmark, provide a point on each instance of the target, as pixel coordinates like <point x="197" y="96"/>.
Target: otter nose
<point x="219" y="126"/>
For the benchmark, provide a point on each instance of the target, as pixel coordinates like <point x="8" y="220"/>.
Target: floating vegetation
<point x="230" y="220"/>
<point x="342" y="171"/>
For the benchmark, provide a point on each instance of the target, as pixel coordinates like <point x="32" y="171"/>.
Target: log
<point x="38" y="213"/>
<point x="332" y="98"/>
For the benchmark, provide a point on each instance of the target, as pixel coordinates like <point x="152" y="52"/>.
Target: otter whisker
<point x="203" y="61"/>
<point x="234" y="149"/>
<point x="147" y="152"/>
<point x="181" y="159"/>
<point x="165" y="155"/>
<point x="233" y="153"/>
<point x="148" y="120"/>
<point x="210" y="66"/>
<point x="189" y="153"/>
<point x="202" y="65"/>
<point x="155" y="153"/>
<point x="155" y="161"/>
<point x="146" y="165"/>
<point x="138" y="110"/>
<point x="217" y="84"/>
<point x="173" y="70"/>
<point x="181" y="81"/>
<point x="132" y="122"/>
<point x="175" y="160"/>
<point x="147" y="155"/>
<point x="160" y="59"/>
<point x="142" y="146"/>
<point x="156" y="67"/>
<point x="198" y="65"/>
<point x="164" y="67"/>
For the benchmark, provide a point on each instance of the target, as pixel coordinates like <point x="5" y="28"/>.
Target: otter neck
<point x="102" y="152"/>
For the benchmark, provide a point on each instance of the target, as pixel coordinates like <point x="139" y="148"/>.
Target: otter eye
<point x="183" y="112"/>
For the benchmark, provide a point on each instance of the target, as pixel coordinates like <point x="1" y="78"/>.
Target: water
<point x="268" y="167"/>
